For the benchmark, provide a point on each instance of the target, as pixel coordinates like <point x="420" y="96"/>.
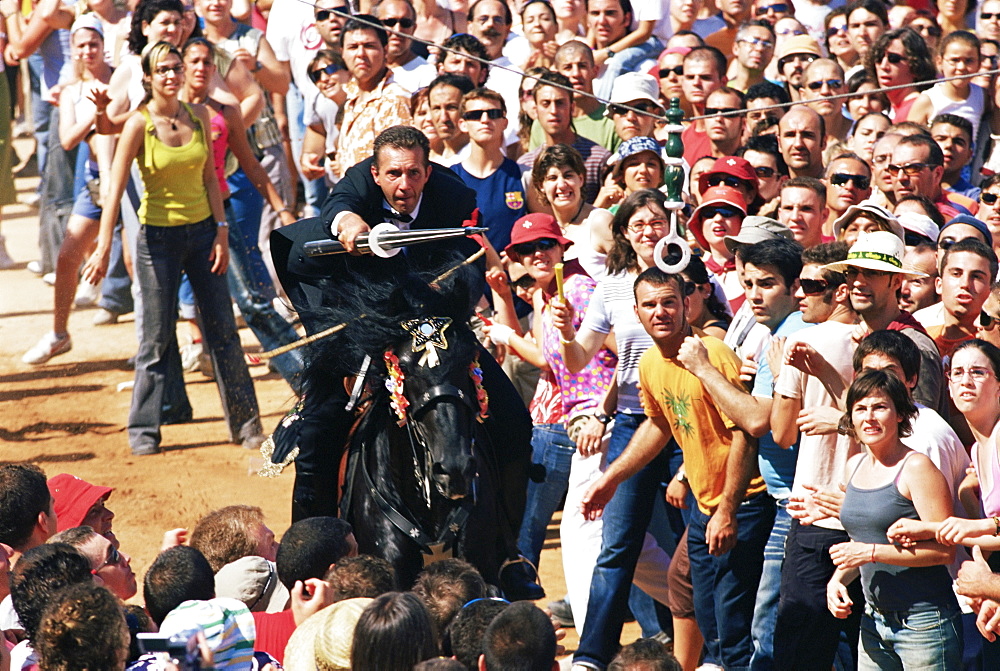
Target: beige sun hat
<point x="878" y="250"/>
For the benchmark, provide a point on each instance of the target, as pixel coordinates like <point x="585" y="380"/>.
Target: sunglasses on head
<point x="813" y="287"/>
<point x="725" y="180"/>
<point x="331" y="69"/>
<point x="642" y="106"/>
<point x="477" y="115"/>
<point x="842" y="179"/>
<point x="777" y="8"/>
<point x="832" y="83"/>
<point x="725" y="211"/>
<point x="404" y="23"/>
<point x="988" y="198"/>
<point x="894" y="58"/>
<point x="529" y="248"/>
<point x="327" y="14"/>
<point x="677" y="70"/>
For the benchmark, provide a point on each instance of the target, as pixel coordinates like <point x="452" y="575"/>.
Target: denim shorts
<point x="927" y="638"/>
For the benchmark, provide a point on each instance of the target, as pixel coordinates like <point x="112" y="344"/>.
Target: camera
<point x="181" y="648"/>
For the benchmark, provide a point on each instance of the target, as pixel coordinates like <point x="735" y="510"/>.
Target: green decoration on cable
<point x="672" y="252"/>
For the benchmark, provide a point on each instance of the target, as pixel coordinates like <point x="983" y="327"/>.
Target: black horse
<point x="419" y="485"/>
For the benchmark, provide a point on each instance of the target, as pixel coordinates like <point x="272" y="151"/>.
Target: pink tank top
<point x="220" y="142"/>
<point x="990" y="497"/>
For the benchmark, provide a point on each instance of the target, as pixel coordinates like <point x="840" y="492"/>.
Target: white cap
<point x="920" y="224"/>
<point x="633" y="86"/>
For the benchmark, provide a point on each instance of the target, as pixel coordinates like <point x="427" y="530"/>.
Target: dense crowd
<point x="781" y="454"/>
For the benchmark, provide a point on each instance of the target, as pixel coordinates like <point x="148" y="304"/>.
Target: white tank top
<point x="971" y="108"/>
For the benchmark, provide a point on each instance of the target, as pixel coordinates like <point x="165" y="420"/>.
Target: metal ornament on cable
<point x="672" y="253"/>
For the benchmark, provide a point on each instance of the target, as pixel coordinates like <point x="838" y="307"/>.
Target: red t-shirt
<point x="273" y="632"/>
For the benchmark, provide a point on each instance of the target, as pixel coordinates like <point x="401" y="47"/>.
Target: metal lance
<point x="672" y="252"/>
<point x="387" y="240"/>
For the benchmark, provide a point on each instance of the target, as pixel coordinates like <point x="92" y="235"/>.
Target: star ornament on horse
<point x="428" y="335"/>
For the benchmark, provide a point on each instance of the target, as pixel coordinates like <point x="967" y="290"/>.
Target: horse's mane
<point x="385" y="300"/>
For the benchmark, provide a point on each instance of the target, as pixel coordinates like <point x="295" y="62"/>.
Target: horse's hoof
<point x="519" y="581"/>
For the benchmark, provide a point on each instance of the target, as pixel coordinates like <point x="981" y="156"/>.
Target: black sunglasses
<point x="529" y="248"/>
<point x="988" y="198"/>
<point x="403" y="23"/>
<point x="677" y="70"/>
<point x="776" y="8"/>
<point x="986" y="320"/>
<point x="832" y="83"/>
<point x="895" y="58"/>
<point x="765" y="171"/>
<point x="712" y="111"/>
<point x="911" y="239"/>
<point x="842" y="179"/>
<point x="986" y="16"/>
<point x="831" y="31"/>
<point x="476" y="115"/>
<point x="642" y="106"/>
<point x="327" y="14"/>
<point x="930" y="29"/>
<point x="944" y="244"/>
<point x="331" y="69"/>
<point x="725" y="180"/>
<point x="721" y="210"/>
<point x="813" y="287"/>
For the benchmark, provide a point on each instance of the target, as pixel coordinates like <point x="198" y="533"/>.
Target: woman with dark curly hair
<point x="900" y="57"/>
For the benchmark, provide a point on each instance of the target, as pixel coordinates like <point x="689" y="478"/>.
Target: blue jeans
<point x="765" y="613"/>
<point x="927" y="638"/>
<point x="315" y="189"/>
<point x="162" y="253"/>
<point x="551" y="448"/>
<point x="725" y="587"/>
<point x="626" y="519"/>
<point x="247" y="206"/>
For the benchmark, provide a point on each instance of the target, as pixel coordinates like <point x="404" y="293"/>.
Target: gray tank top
<point x="866" y="515"/>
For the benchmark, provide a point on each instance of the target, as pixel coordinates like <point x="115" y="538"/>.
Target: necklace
<point x="573" y="219"/>
<point x="172" y="120"/>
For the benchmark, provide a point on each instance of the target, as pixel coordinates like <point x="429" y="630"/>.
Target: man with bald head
<point x="410" y="71"/>
<point x="824" y="78"/>
<point x="802" y="139"/>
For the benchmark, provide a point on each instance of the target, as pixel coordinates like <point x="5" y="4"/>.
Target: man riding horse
<point x="399" y="185"/>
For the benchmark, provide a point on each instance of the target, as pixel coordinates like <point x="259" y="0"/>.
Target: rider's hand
<point x="351" y="226"/>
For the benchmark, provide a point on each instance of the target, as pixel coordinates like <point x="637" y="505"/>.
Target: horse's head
<point x="436" y="391"/>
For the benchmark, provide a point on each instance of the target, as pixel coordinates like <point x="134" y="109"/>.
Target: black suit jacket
<point x="447" y="203"/>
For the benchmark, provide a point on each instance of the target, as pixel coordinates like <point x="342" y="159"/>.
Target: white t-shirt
<point x="746" y="336"/>
<point x="822" y="458"/>
<point x="291" y="32"/>
<point x="653" y="10"/>
<point x="932" y="436"/>
<point x="932" y="315"/>
<point x="415" y="75"/>
<point x="508" y="85"/>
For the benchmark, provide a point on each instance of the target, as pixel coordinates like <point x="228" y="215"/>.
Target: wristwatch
<point x="602" y="418"/>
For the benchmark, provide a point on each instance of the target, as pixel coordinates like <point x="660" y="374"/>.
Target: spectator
<point x="311" y="547"/>
<point x="921" y="221"/>
<point x="803" y="209"/>
<point x="868" y="130"/>
<point x="113" y="567"/>
<point x="918" y="167"/>
<point x="899" y="58"/>
<point x="762" y="100"/>
<point x="967" y="271"/>
<point x="495" y="178"/>
<point x="465" y="633"/>
<point x="226" y="534"/>
<point x="724" y="133"/>
<point x="618" y="46"/>
<point x="959" y="55"/>
<point x="360" y="576"/>
<point x="520" y="637"/>
<point x="768" y="164"/>
<point x="633" y="94"/>
<point x="671" y="71"/>
<point x="883" y="194"/>
<point x="720" y="214"/>
<point x="445" y="587"/>
<point x="445" y="98"/>
<point x="409" y="70"/>
<point x="490" y="22"/>
<point x="793" y="57"/>
<point x="79" y="503"/>
<point x="27" y="510"/>
<point x="393" y="633"/>
<point x="644" y="654"/>
<point x="865" y="217"/>
<point x="538" y="23"/>
<point x="330" y="17"/>
<point x="593" y="120"/>
<point x="737" y="174"/>
<point x="838" y="44"/>
<point x="227" y="626"/>
<point x="954" y="134"/>
<point x="178" y="574"/>
<point x="989" y="210"/>
<point x="704" y="72"/>
<point x="866" y="21"/>
<point x="824" y="78"/>
<point x="83" y="628"/>
<point x="802" y="138"/>
<point x="753" y="50"/>
<point x="554" y="106"/>
<point x="374" y="101"/>
<point x="324" y="640"/>
<point x="849" y="180"/>
<point x="319" y="146"/>
<point x="254" y="581"/>
<point x="638" y="165"/>
<point x="918" y="293"/>
<point x="457" y="52"/>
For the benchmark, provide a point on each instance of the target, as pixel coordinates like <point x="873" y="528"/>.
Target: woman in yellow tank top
<point x="183" y="229"/>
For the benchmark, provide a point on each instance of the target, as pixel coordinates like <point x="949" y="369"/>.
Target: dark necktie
<point x="396" y="216"/>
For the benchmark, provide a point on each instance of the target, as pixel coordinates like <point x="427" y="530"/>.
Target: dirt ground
<point x="68" y="416"/>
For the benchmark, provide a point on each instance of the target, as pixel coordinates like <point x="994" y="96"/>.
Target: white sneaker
<point x="86" y="294"/>
<point x="49" y="278"/>
<point x="35" y="267"/>
<point x="191" y="356"/>
<point x="105" y="317"/>
<point x="49" y="346"/>
<point x="6" y="262"/>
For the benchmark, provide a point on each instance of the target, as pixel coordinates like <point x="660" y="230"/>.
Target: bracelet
<point x="222" y="224"/>
<point x="996" y="522"/>
<point x="566" y="342"/>
<point x="285" y="209"/>
<point x="873" y="553"/>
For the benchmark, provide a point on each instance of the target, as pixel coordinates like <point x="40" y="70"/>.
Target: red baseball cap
<point x="734" y="166"/>
<point x="73" y="498"/>
<point x="536" y="226"/>
<point x="716" y="195"/>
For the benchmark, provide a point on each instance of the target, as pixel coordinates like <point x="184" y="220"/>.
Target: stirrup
<point x="519" y="580"/>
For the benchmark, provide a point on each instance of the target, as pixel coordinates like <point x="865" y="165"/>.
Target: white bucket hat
<point x="878" y="250"/>
<point x="633" y="86"/>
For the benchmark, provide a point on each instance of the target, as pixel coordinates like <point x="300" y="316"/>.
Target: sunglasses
<point x="988" y="198"/>
<point x="712" y="111"/>
<point x="910" y="169"/>
<point x="986" y="16"/>
<point x="404" y="23"/>
<point x="986" y="320"/>
<point x="836" y="30"/>
<point x="317" y="74"/>
<point x="529" y="248"/>
<point x="724" y="211"/>
<point x="911" y="239"/>
<point x="757" y="42"/>
<point x="114" y="558"/>
<point x="842" y="179"/>
<point x="765" y="172"/>
<point x="790" y="31"/>
<point x="894" y="58"/>
<point x="677" y="70"/>
<point x="832" y="83"/>
<point x="327" y="14"/>
<point x="642" y="106"/>
<point x="931" y="30"/>
<point x="944" y="244"/>
<point x="493" y="113"/>
<point x="725" y="180"/>
<point x="777" y="8"/>
<point x="813" y="287"/>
